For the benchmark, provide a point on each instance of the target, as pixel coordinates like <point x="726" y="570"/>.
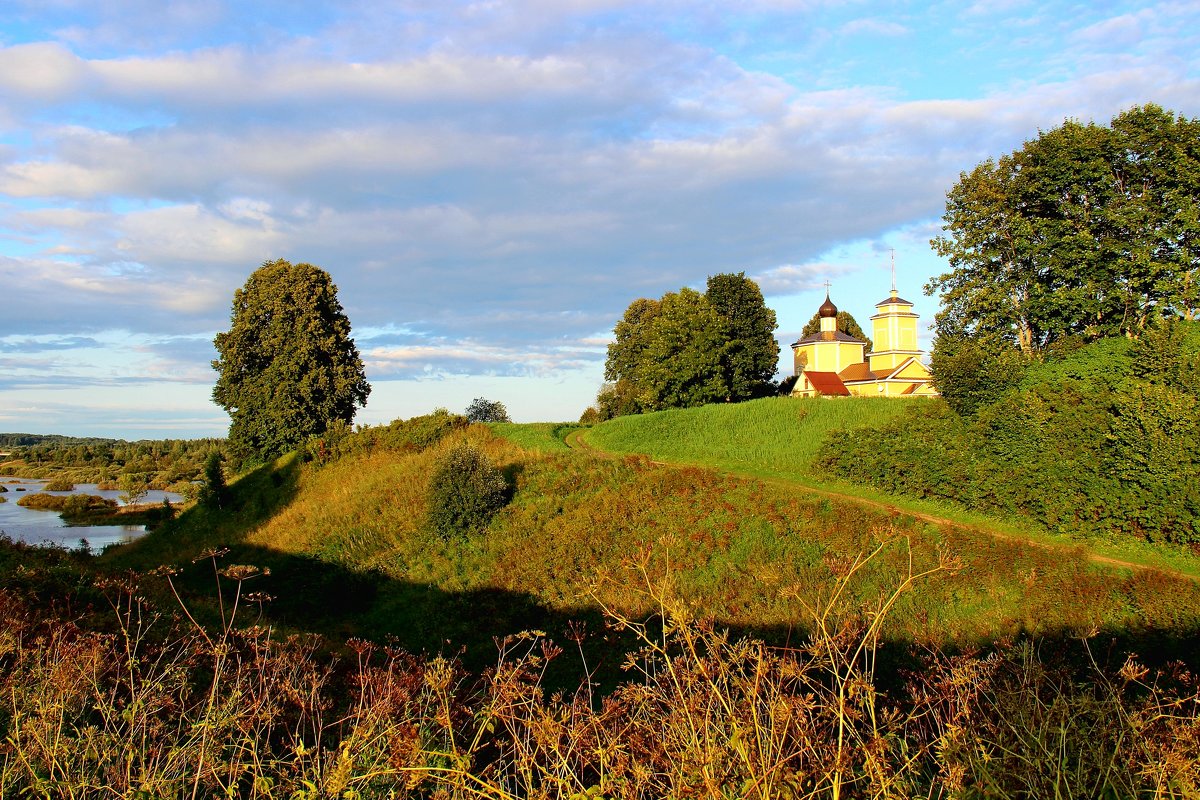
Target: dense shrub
<point x="67" y="504"/>
<point x="1096" y="440"/>
<point x="60" y="485"/>
<point x="410" y="435"/>
<point x="465" y="492"/>
<point x="483" y="410"/>
<point x="970" y="375"/>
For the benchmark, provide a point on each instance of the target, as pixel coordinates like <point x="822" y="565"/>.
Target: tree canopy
<point x="483" y="410"/>
<point x="1087" y="231"/>
<point x="287" y="367"/>
<point x="688" y="349"/>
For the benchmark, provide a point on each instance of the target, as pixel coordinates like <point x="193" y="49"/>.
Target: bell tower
<point x="894" y="331"/>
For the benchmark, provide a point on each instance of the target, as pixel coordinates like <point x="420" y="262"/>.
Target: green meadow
<point x="777" y="436"/>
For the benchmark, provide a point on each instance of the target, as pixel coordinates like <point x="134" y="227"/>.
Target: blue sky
<point x="490" y="184"/>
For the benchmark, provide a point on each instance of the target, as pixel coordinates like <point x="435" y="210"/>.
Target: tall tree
<point x="687" y="349"/>
<point x="1086" y="230"/>
<point x="625" y="354"/>
<point x="287" y="366"/>
<point x="682" y="363"/>
<point x="751" y="357"/>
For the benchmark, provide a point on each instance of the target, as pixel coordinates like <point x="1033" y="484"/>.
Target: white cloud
<point x="45" y="71"/>
<point x="790" y="279"/>
<point x="503" y="178"/>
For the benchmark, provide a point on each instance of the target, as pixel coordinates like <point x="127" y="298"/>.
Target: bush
<point x="484" y="410"/>
<point x="1095" y="441"/>
<point x="465" y="492"/>
<point x="408" y="436"/>
<point x="970" y="374"/>
<point x="60" y="485"/>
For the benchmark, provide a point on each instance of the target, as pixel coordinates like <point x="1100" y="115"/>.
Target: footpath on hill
<point x="577" y="440"/>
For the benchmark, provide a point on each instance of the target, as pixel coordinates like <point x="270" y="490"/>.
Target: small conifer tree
<point x="214" y="493"/>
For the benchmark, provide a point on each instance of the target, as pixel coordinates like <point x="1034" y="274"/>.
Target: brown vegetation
<point x="128" y="700"/>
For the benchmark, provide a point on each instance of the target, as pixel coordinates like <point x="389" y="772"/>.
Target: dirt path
<point x="576" y="441"/>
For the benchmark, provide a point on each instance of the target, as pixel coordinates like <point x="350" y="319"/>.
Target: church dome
<point x="827" y="309"/>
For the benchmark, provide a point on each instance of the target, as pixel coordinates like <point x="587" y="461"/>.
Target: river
<point x="47" y="527"/>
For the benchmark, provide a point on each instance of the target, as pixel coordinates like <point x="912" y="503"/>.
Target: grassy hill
<point x="650" y="575"/>
<point x="776" y="436"/>
<point x="350" y="553"/>
<point x="1101" y="443"/>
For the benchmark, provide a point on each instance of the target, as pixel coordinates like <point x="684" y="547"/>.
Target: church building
<point x="831" y="362"/>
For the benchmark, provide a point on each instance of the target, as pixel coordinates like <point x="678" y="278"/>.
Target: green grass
<point x="776" y="436"/>
<point x="350" y="553"/>
<point x="537" y="436"/>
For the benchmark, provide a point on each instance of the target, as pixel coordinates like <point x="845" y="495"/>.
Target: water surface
<point x="47" y="527"/>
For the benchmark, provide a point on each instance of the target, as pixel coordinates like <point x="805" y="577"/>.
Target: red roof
<point x="826" y="383"/>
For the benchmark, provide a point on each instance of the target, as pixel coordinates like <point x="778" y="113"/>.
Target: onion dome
<point x="827" y="309"/>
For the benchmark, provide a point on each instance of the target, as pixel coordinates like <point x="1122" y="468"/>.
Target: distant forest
<point x="159" y="463"/>
<point x="35" y="439"/>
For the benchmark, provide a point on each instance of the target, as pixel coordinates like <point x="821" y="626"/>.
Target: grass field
<point x="538" y="436"/>
<point x="350" y="554"/>
<point x="773" y="436"/>
<point x="778" y="438"/>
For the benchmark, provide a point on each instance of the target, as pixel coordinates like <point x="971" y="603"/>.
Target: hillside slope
<point x="350" y="554"/>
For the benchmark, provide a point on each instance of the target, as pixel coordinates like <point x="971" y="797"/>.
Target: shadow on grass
<point x="311" y="595"/>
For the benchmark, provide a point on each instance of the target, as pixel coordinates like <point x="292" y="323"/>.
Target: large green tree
<point x="287" y="367"/>
<point x="751" y="355"/>
<point x="688" y="349"/>
<point x="1086" y="231"/>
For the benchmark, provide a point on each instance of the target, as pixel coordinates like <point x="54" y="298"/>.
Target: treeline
<point x="157" y="463"/>
<point x="1102" y="440"/>
<point x="687" y="349"/>
<point x="32" y="439"/>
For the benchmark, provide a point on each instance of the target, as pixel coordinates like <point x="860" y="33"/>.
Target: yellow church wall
<point x="892" y="388"/>
<point x="884" y="363"/>
<point x="915" y="371"/>
<point x="894" y="360"/>
<point x="894" y="329"/>
<point x="828" y="356"/>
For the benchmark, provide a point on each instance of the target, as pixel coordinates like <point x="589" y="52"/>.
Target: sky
<point x="490" y="184"/>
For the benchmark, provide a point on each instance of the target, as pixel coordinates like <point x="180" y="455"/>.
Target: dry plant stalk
<point x="159" y="706"/>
